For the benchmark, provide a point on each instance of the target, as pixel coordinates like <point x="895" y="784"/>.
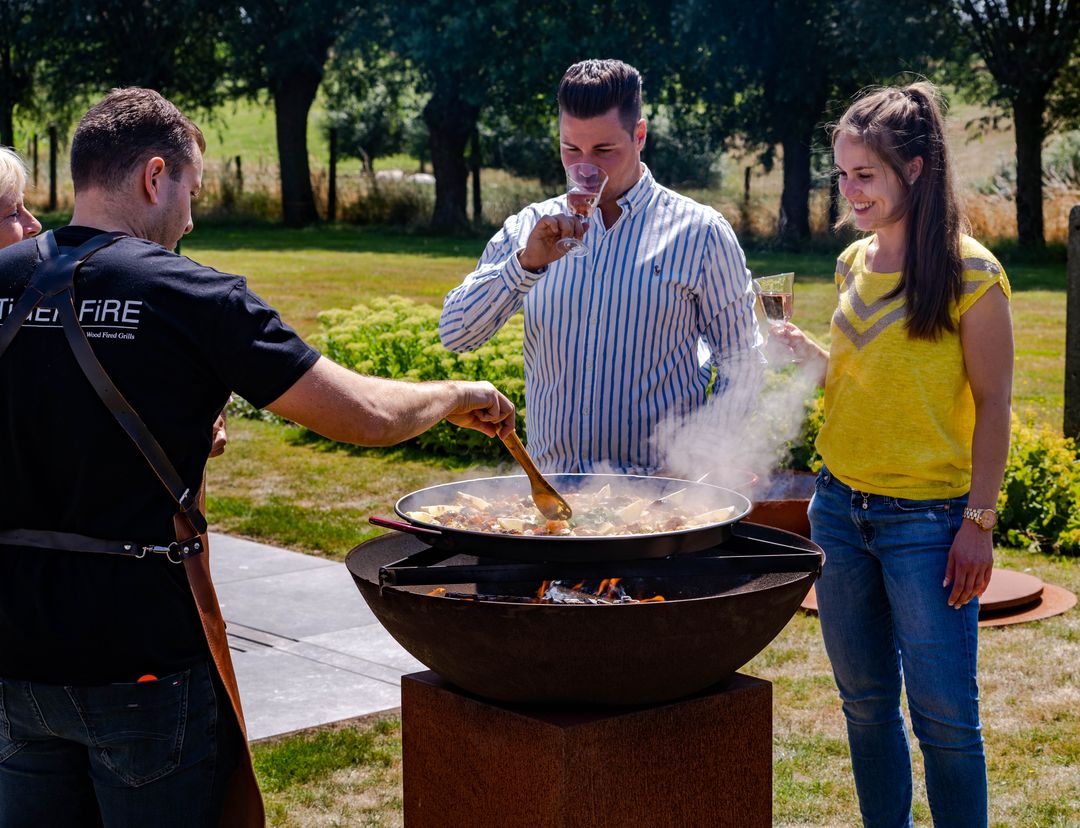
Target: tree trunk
<point x="1028" y="110"/>
<point x="7" y="100"/>
<point x="292" y="102"/>
<point x="450" y="122"/>
<point x="1071" y="427"/>
<point x="834" y="204"/>
<point x="474" y="165"/>
<point x="53" y="141"/>
<point x="7" y="123"/>
<point x="795" y="198"/>
<point x="331" y="196"/>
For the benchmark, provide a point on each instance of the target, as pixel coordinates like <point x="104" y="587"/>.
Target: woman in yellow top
<point x="916" y="433"/>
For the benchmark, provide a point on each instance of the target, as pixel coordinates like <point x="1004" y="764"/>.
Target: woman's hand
<point x="971" y="561"/>
<point x="812" y="356"/>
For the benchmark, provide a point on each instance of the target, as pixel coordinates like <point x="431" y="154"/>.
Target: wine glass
<point x="776" y="297"/>
<point x="584" y="184"/>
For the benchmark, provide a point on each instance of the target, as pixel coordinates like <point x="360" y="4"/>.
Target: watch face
<point x="987" y="519"/>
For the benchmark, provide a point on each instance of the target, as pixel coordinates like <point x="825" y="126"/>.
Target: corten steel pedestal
<point x="705" y="760"/>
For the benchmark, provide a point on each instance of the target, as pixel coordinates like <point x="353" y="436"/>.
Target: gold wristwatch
<point x="985" y="519"/>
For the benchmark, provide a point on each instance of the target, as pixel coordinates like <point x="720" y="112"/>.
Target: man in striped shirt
<point x="621" y="341"/>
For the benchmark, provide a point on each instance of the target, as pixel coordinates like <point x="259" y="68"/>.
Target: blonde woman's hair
<point x="12" y="173"/>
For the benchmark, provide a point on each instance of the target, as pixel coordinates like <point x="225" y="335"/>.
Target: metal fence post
<point x="1072" y="329"/>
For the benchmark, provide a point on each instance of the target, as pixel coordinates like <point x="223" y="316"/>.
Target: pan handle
<point x="429" y="535"/>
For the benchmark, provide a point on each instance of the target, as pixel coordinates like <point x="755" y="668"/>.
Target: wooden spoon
<point x="551" y="504"/>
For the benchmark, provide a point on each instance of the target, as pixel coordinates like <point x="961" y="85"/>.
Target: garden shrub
<point x="802" y="454"/>
<point x="399" y="338"/>
<point x="1039" y="505"/>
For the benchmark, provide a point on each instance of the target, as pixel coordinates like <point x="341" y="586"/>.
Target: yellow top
<point x="899" y="415"/>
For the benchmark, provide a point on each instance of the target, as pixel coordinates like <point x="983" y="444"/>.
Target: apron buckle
<point x="176" y="551"/>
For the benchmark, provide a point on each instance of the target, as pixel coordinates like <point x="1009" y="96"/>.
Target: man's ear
<point x="640" y="131"/>
<point x="153" y="170"/>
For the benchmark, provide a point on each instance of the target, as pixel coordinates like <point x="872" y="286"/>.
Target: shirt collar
<point x="638" y="196"/>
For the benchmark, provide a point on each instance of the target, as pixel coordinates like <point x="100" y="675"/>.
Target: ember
<point x="557" y="592"/>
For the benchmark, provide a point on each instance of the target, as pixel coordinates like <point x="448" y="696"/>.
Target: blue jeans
<point x="886" y="622"/>
<point x="154" y="753"/>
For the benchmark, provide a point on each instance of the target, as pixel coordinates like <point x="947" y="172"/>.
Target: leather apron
<point x="51" y="286"/>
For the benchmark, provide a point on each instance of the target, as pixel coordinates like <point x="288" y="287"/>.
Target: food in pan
<point x="597" y="513"/>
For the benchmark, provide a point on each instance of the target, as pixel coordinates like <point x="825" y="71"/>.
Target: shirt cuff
<point x="517" y="278"/>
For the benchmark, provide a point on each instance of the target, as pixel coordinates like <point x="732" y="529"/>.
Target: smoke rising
<point x="743" y="431"/>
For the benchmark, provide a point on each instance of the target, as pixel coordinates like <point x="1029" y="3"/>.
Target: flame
<point x="437" y="591"/>
<point x="608" y="591"/>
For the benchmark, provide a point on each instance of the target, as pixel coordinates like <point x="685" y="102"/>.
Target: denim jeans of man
<point x="886" y="623"/>
<point x="155" y="753"/>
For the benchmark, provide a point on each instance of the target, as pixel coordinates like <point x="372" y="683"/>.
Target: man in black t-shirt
<point x="80" y="736"/>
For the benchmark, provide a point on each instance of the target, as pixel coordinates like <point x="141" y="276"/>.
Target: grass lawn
<point x="272" y="485"/>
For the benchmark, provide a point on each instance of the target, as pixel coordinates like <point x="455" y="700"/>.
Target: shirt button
<point x="585" y="409"/>
<point x="592" y="320"/>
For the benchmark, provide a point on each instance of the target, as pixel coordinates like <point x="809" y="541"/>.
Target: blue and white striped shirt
<point x="612" y="338"/>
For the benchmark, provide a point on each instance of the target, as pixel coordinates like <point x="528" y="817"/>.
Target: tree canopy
<point x="1025" y="44"/>
<point x="765" y="76"/>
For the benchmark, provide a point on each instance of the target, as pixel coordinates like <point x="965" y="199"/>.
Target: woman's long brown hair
<point x="900" y="124"/>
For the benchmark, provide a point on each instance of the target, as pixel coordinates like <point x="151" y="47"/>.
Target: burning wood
<point x="557" y="592"/>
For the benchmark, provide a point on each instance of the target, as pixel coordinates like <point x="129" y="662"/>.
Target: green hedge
<point x="1039" y="505"/>
<point x="396" y="337"/>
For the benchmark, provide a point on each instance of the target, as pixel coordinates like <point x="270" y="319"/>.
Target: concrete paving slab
<point x="236" y="559"/>
<point x="306" y="648"/>
<point x="371" y="643"/>
<point x="296" y="604"/>
<point x="244" y="639"/>
<point x="283" y="693"/>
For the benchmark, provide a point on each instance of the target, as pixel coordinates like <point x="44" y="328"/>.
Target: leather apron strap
<point x="243" y="803"/>
<point x="52" y="286"/>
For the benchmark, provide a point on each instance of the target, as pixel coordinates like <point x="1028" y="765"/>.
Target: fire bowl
<point x="557" y="654"/>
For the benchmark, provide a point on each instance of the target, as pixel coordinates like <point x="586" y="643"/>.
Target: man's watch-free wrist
<point x="985" y="519"/>
<point x="525" y="267"/>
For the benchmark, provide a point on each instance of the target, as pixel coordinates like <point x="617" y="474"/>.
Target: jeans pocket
<point x="136" y="729"/>
<point x="935" y="505"/>
<point x="8" y="746"/>
<point x="823" y="479"/>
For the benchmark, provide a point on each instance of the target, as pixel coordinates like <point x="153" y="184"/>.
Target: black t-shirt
<point x="176" y="338"/>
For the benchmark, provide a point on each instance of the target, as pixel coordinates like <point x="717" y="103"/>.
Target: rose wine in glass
<point x="777" y="306"/>
<point x="584" y="185"/>
<point x="776" y="295"/>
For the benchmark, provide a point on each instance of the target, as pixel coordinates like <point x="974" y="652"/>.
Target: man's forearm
<point x="474" y="311"/>
<point x="369" y="411"/>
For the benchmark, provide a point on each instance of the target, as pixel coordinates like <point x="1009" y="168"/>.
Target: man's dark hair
<point x="124" y="130"/>
<point x="593" y="87"/>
